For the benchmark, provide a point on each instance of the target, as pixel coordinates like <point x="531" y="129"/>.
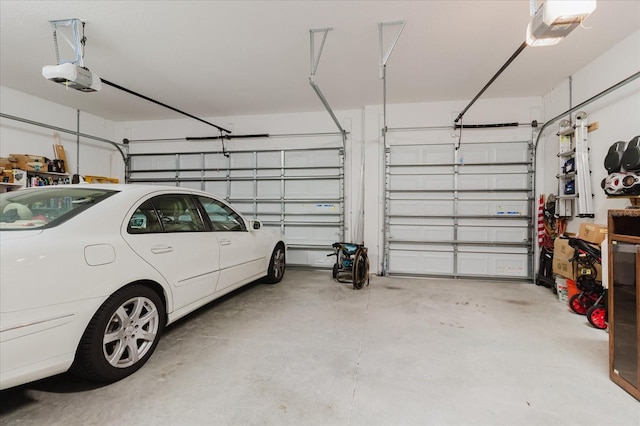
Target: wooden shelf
<point x="623" y="299"/>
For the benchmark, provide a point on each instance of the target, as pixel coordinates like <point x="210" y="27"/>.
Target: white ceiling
<point x="221" y="58"/>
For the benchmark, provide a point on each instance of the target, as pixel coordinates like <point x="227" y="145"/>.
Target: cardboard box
<point x="562" y="255"/>
<point x="8" y="162"/>
<point x="564" y="267"/>
<point x="592" y="232"/>
<point x="7" y="176"/>
<point x="15" y="177"/>
<point x="31" y="163"/>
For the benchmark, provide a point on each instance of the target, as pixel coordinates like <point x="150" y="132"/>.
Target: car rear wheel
<point x="277" y="265"/>
<point x="121" y="336"/>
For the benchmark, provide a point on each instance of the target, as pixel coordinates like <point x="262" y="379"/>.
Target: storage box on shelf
<point x="13" y="179"/>
<point x="33" y="163"/>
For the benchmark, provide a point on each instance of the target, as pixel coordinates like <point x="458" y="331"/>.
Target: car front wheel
<point x="121" y="336"/>
<point x="277" y="265"/>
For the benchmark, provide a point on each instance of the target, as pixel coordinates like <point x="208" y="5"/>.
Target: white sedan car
<point x="91" y="274"/>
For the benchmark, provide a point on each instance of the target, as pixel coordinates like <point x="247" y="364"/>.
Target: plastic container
<point x="572" y="288"/>
<point x="561" y="289"/>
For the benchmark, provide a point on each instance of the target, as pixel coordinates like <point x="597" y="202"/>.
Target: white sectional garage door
<point x="300" y="192"/>
<point x="458" y="213"/>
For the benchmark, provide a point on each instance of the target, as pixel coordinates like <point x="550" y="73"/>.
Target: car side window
<point x="144" y="220"/>
<point x="178" y="213"/>
<point x="222" y="217"/>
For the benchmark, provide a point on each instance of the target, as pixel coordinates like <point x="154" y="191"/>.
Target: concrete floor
<point x="311" y="351"/>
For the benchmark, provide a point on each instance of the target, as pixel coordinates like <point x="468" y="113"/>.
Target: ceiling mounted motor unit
<point x="71" y="71"/>
<point x="73" y="76"/>
<point x="555" y="19"/>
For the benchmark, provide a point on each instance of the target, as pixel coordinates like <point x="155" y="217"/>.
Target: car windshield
<point x="46" y="207"/>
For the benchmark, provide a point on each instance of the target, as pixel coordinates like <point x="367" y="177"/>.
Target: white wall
<point x="618" y="115"/>
<point x="88" y="157"/>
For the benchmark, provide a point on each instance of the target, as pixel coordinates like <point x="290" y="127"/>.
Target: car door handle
<point x="225" y="242"/>
<point x="161" y="249"/>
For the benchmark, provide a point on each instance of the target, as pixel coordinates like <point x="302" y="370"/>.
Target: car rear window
<point x="46" y="207"/>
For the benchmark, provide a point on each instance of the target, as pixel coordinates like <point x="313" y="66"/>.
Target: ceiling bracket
<point x="384" y="57"/>
<point x="71" y="26"/>
<point x="315" y="60"/>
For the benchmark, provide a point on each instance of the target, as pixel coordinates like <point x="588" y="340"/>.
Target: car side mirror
<point x="256" y="224"/>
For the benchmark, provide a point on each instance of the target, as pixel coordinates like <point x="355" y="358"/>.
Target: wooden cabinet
<point x="624" y="299"/>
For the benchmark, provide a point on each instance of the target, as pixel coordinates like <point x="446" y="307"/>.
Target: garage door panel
<point x="420" y="182"/>
<point x="487" y="195"/>
<point x="267" y="173"/>
<point x="217" y="188"/>
<point x="316" y="159"/>
<point x="242" y="160"/>
<point x="268" y="189"/>
<point x="493" y="182"/>
<point x="269" y="159"/>
<point x="312" y="259"/>
<point x="422" y="247"/>
<point x="319" y="220"/>
<point x="498" y="249"/>
<point x="240" y="174"/>
<point x="420" y="221"/>
<point x="216" y="161"/>
<point x="504" y="222"/>
<point x="492" y="234"/>
<point x="189" y="161"/>
<point x="421" y="233"/>
<point x="493" y="207"/>
<point x="421" y="263"/>
<point x="312" y="208"/>
<point x="471" y="169"/>
<point x="241" y="189"/>
<point x="192" y="185"/>
<point x="267" y="207"/>
<point x="214" y="174"/>
<point x="407" y="207"/>
<point x="421" y="154"/>
<point x="493" y="264"/>
<point x="319" y="188"/>
<point x="422" y="170"/>
<point x="319" y="235"/>
<point x="495" y="153"/>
